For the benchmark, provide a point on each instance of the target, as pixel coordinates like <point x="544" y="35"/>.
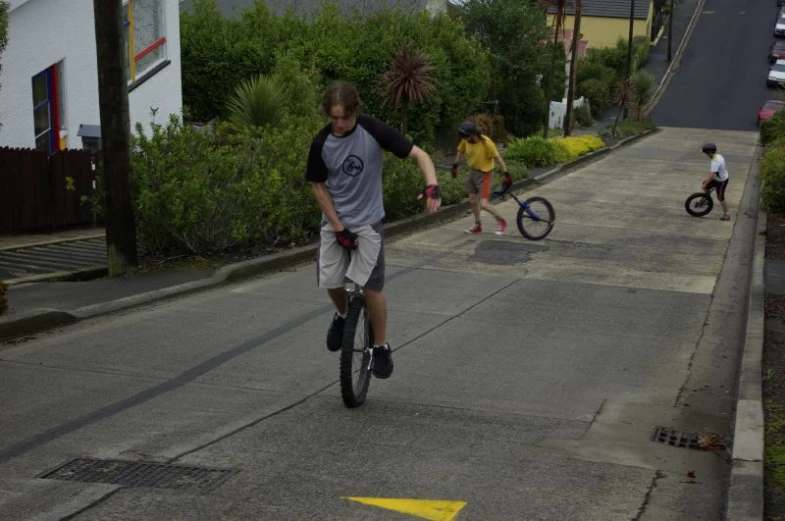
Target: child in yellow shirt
<point x="481" y="156"/>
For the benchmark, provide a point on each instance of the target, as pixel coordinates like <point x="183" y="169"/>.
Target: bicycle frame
<point x="525" y="207"/>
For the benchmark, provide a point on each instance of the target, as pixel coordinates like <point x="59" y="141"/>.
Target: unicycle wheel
<point x="355" y="366"/>
<point x="699" y="204"/>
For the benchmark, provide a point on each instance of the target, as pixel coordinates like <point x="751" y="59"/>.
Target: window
<point x="144" y="36"/>
<point x="49" y="109"/>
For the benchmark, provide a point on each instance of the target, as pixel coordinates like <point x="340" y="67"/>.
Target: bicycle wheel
<point x="699" y="204"/>
<point x="535" y="218"/>
<point x="356" y="353"/>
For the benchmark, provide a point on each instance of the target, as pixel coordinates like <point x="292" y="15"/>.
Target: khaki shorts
<point x="479" y="183"/>
<point x="335" y="265"/>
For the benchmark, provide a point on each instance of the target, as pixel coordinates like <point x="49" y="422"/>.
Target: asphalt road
<point x="530" y="377"/>
<point x="529" y="380"/>
<point x="721" y="80"/>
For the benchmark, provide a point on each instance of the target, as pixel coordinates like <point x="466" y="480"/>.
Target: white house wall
<point x="43" y="32"/>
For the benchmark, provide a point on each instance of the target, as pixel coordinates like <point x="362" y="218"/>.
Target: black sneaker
<point x="382" y="361"/>
<point x="335" y="333"/>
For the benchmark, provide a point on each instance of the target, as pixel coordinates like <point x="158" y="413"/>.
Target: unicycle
<point x="699" y="203"/>
<point x="535" y="216"/>
<point x="356" y="350"/>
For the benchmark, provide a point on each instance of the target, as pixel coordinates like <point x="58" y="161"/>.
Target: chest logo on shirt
<point x="353" y="166"/>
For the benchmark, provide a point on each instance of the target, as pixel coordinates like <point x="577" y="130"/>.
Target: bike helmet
<point x="468" y="129"/>
<point x="709" y="148"/>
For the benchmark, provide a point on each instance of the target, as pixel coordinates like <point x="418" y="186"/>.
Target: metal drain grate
<point x="685" y="440"/>
<point x="140" y="474"/>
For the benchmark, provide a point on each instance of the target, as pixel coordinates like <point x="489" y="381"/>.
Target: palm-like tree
<point x="257" y="102"/>
<point x="408" y="79"/>
<point x="623" y="96"/>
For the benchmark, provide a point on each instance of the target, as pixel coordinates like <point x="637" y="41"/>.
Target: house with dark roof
<point x="603" y="22"/>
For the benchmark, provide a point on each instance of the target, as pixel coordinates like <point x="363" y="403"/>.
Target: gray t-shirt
<point x="351" y="167"/>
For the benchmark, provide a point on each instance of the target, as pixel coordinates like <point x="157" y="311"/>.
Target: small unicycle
<point x="535" y="216"/>
<point x="356" y="350"/>
<point x="699" y="203"/>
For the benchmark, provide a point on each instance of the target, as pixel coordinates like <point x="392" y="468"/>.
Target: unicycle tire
<point x="524" y="218"/>
<point x="355" y="370"/>
<point x="699" y="204"/>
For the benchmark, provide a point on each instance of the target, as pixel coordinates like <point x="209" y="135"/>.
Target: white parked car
<point x="776" y="74"/>
<point x="779" y="26"/>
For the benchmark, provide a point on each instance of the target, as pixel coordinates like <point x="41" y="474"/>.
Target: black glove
<point x="347" y="239"/>
<point x="454" y="170"/>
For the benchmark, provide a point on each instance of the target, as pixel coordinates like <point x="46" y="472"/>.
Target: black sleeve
<point x="388" y="138"/>
<point x="316" y="170"/>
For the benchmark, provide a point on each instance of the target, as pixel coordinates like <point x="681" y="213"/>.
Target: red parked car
<point x="777" y="51"/>
<point x="768" y="109"/>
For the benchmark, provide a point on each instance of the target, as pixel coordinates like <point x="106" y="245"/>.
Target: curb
<point x="31" y="321"/>
<point x="745" y="493"/>
<point x="674" y="65"/>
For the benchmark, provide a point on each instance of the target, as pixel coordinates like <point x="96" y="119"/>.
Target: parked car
<point x="779" y="27"/>
<point x="776" y="74"/>
<point x="768" y="109"/>
<point x="777" y="50"/>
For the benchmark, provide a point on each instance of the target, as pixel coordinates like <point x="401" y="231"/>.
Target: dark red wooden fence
<point x="33" y="189"/>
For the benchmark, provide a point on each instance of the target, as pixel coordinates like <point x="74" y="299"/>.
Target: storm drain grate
<point x="689" y="440"/>
<point x="685" y="440"/>
<point x="140" y="474"/>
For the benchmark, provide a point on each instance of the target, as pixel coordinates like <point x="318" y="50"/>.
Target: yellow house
<point x="603" y="22"/>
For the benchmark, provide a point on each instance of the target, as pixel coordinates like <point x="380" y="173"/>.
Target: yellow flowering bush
<point x="575" y="146"/>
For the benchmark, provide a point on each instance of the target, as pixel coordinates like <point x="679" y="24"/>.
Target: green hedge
<point x="772" y="166"/>
<point x="772" y="175"/>
<point x="203" y="191"/>
<point x="218" y="53"/>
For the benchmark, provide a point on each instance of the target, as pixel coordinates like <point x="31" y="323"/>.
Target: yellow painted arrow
<point x="431" y="509"/>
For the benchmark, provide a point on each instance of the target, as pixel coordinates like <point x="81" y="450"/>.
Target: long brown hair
<point x="342" y="93"/>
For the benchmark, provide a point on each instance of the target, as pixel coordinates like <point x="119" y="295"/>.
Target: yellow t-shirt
<point x="479" y="156"/>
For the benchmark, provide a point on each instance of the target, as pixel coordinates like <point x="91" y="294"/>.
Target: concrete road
<point x="529" y="380"/>
<point x="721" y="80"/>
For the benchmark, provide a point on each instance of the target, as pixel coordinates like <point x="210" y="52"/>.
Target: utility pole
<point x="629" y="52"/>
<point x="115" y="135"/>
<point x="576" y="36"/>
<point x="670" y="30"/>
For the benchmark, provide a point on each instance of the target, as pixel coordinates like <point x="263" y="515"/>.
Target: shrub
<point x="626" y="128"/>
<point x="576" y="146"/>
<point x="258" y="102"/>
<point x="773" y="128"/>
<point x="533" y="151"/>
<point x="197" y="191"/>
<point x="772" y="175"/>
<point x="640" y="49"/>
<point x="3" y="297"/>
<point x="583" y="114"/>
<point x="594" y="70"/>
<point x="596" y="91"/>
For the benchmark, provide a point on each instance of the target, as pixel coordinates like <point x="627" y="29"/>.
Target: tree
<point x="408" y="79"/>
<point x="513" y="30"/>
<point x="115" y="135"/>
<point x="258" y="102"/>
<point x="4" y="8"/>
